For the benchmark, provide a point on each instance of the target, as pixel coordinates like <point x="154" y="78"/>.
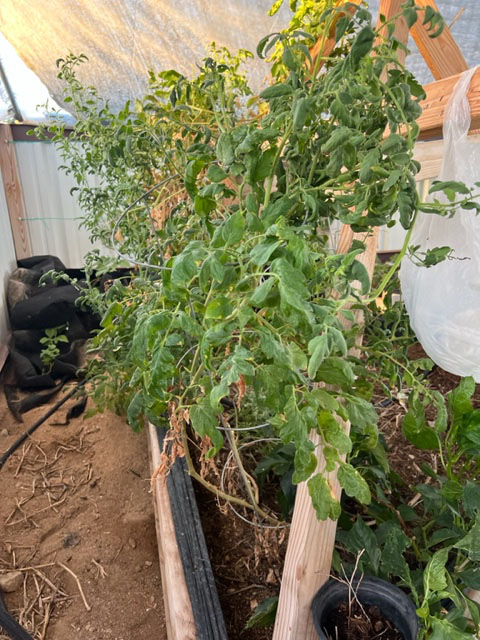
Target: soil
<point x="76" y="517"/>
<point x="247" y="562"/>
<point x="358" y="623"/>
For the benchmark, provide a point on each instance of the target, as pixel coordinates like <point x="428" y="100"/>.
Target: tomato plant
<point x="222" y="201"/>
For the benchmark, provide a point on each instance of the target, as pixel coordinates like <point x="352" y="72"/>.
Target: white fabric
<point x="443" y="301"/>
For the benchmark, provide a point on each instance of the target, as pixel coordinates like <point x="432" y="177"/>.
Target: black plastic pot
<point x="393" y="603"/>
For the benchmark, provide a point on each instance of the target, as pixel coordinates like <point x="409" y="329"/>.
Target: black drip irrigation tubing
<point x="37" y="424"/>
<point x="199" y="578"/>
<point x="10" y="625"/>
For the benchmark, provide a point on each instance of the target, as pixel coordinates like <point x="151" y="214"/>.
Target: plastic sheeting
<point x="123" y="39"/>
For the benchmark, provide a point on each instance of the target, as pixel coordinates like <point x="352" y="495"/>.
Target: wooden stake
<point x="13" y="193"/>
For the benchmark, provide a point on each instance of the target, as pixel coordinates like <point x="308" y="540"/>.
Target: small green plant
<point x="50" y="352"/>
<point x="431" y="546"/>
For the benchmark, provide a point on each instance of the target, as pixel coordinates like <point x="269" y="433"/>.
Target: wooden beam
<point x="324" y="46"/>
<point x="437" y="96"/>
<point x="389" y="9"/>
<point x="442" y="54"/>
<point x="13" y="193"/>
<point x="179" y="616"/>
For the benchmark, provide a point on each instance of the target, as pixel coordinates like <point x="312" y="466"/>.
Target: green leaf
<point x="471" y="542"/>
<point x="337" y="138"/>
<point x="203" y="206"/>
<point x="319" y="349"/>
<point x="415" y="428"/>
<point x="224" y="149"/>
<point x="324" y="399"/>
<point x="114" y="310"/>
<point x="353" y="484"/>
<point x="323" y="500"/>
<point x="192" y="170"/>
<point x="370" y="159"/>
<point x="361" y="413"/>
<point x="276" y="91"/>
<point x="435" y="575"/>
<point x="292" y="290"/>
<point x="393" y="562"/>
<point x="205" y="423"/>
<point x="298" y="357"/>
<point x="459" y="400"/>
<point x="333" y="433"/>
<point x="451" y="185"/>
<point x="362" y="45"/>
<point x="233" y="229"/>
<point x="218" y="392"/>
<point x="136" y="411"/>
<point x="443" y="629"/>
<point x="336" y="371"/>
<point x="292" y="425"/>
<point x="361" y="538"/>
<point x="183" y="270"/>
<point x="216" y="173"/>
<point x="305" y="462"/>
<point x="392" y="179"/>
<point x="218" y="309"/>
<point x="261" y="292"/>
<point x="264" y="614"/>
<point x="261" y="253"/>
<point x="301" y="109"/>
<point x="471" y="498"/>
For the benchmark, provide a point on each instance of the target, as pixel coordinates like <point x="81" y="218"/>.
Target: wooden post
<point x="442" y="55"/>
<point x="311" y="543"/>
<point x="179" y="616"/>
<point x="13" y="193"/>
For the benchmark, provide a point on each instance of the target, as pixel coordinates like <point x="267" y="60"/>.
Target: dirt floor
<point x="76" y="519"/>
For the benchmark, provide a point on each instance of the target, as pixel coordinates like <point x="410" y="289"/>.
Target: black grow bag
<point x="393" y="603"/>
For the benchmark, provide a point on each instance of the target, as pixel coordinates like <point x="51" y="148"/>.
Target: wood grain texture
<point x="179" y="617"/>
<point x="442" y="54"/>
<point x="436" y="100"/>
<point x="14" y="193"/>
<point x="389" y="9"/>
<point x="324" y="46"/>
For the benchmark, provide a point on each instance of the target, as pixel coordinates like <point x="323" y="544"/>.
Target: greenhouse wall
<point x="7" y="264"/>
<point x="53" y="215"/>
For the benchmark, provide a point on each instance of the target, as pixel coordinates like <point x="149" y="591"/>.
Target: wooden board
<point x="442" y="54"/>
<point x="178" y="609"/>
<point x="13" y="193"/>
<point x="436" y="100"/>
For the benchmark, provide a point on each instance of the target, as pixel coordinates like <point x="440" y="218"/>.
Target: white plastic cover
<point x="443" y="301"/>
<point x="124" y="39"/>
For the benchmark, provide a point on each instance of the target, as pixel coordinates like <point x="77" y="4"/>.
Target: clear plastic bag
<point x="443" y="301"/>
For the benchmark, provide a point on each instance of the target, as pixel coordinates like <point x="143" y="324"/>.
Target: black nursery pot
<point x="393" y="603"/>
